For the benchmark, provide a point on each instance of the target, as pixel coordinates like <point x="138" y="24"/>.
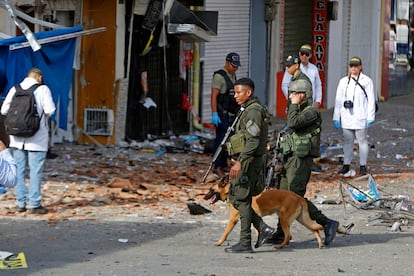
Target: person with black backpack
<point x="223" y="106"/>
<point x="27" y="107"/>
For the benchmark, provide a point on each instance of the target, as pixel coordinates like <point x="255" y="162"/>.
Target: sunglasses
<point x="304" y="54"/>
<point x="233" y="66"/>
<point x="353" y="65"/>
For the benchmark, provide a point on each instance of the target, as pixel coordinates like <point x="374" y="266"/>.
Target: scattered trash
<point x="399" y="156"/>
<point x="197" y="208"/>
<point x="403" y="205"/>
<point x="13" y="262"/>
<point x="323" y="200"/>
<point x="349" y="227"/>
<point x="3" y="190"/>
<point x="402" y="157"/>
<point x="123" y="240"/>
<point x="395" y="227"/>
<point x="399" y="129"/>
<point x="345" y="229"/>
<point x="363" y="196"/>
<point x="397" y="209"/>
<point x="330" y="151"/>
<point x="5" y="254"/>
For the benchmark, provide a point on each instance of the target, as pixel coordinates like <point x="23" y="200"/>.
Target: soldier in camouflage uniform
<point x="299" y="146"/>
<point x="246" y="174"/>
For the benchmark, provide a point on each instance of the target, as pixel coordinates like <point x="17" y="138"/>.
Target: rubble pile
<point x="84" y="182"/>
<point x="161" y="178"/>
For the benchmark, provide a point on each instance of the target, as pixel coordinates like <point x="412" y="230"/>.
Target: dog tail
<point x="305" y="219"/>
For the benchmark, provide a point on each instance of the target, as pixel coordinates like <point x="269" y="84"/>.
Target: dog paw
<point x="218" y="243"/>
<point x="279" y="246"/>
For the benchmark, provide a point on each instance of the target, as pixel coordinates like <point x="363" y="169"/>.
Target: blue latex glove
<point x="337" y="124"/>
<point x="215" y="120"/>
<point x="370" y="122"/>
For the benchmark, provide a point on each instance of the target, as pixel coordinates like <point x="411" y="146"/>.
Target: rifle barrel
<point x="223" y="142"/>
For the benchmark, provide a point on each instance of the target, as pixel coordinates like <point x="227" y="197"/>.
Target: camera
<point x="348" y="104"/>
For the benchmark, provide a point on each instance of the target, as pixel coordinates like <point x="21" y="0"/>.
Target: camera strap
<point x="360" y="85"/>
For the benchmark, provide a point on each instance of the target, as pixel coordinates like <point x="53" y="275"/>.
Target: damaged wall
<point x="96" y="77"/>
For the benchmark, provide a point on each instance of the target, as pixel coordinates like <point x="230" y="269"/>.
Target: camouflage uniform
<point x="249" y="181"/>
<point x="302" y="119"/>
<point x="299" y="147"/>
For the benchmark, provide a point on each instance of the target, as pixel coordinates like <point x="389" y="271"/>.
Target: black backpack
<point x="22" y="119"/>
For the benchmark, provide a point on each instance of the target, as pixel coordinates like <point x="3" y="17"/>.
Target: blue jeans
<point x="36" y="160"/>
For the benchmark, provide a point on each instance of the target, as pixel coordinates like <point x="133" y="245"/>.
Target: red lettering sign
<point x="320" y="32"/>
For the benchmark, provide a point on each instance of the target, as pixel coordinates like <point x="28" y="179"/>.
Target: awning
<point x="192" y="25"/>
<point x="54" y="58"/>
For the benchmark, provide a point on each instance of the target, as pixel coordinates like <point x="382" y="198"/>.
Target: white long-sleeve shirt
<point x="285" y="83"/>
<point x="364" y="106"/>
<point x="312" y="72"/>
<point x="44" y="100"/>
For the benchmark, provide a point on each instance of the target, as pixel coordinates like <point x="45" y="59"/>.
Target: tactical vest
<point x="226" y="101"/>
<point x="303" y="143"/>
<point x="237" y="142"/>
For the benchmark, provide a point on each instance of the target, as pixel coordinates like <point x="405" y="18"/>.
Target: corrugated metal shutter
<point x="298" y="25"/>
<point x="233" y="35"/>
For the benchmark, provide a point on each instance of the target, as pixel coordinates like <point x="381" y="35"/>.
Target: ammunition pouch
<point x="236" y="143"/>
<point x="286" y="143"/>
<point x="301" y="144"/>
<point x="316" y="143"/>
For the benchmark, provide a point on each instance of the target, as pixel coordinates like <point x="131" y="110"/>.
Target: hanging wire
<point x="164" y="35"/>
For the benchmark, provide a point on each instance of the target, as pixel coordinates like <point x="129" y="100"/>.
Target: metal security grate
<point x="98" y="121"/>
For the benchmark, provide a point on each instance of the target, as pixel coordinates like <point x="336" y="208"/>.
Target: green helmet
<point x="300" y="85"/>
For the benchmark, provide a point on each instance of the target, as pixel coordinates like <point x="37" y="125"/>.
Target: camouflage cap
<point x="301" y="86"/>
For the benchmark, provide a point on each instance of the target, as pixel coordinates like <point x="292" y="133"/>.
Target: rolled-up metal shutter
<point x="233" y="35"/>
<point x="298" y="25"/>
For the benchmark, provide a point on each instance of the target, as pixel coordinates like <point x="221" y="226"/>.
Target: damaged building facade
<point x="146" y="71"/>
<point x="133" y="78"/>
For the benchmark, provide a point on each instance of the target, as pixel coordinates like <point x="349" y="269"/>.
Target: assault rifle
<point x="272" y="166"/>
<point x="216" y="155"/>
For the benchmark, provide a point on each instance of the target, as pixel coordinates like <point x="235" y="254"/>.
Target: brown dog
<point x="288" y="205"/>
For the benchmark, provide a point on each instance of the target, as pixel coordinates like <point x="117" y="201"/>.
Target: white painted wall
<point x="6" y="25"/>
<point x="357" y="32"/>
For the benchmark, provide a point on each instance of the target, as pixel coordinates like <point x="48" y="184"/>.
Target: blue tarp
<point x="55" y="59"/>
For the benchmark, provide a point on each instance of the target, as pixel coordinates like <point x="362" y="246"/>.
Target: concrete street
<point x="142" y="242"/>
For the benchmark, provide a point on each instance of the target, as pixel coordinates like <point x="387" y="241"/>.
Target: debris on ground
<point x="158" y="178"/>
<point x="197" y="208"/>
